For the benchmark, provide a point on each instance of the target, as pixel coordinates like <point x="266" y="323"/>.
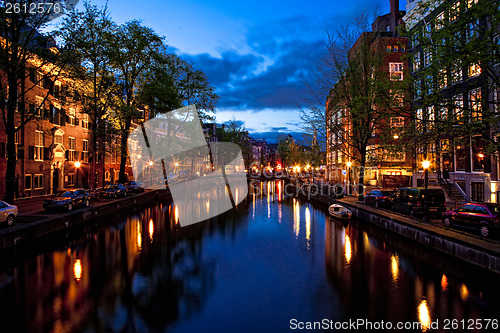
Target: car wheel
<point x="70" y="207"/>
<point x="10" y="220"/>
<point x="87" y="203"/>
<point x="447" y="222"/>
<point x="485" y="229"/>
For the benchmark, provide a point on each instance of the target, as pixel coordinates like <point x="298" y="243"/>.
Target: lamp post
<point x="77" y="166"/>
<point x="349" y="164"/>
<point x="425" y="165"/>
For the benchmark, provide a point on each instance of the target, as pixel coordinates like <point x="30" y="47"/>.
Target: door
<point x="55" y="181"/>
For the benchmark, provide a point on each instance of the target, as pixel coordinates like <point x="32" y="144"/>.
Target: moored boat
<point x="339" y="212"/>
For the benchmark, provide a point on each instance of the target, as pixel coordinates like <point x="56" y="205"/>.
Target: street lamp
<point x="349" y="164"/>
<point x="77" y="166"/>
<point x="425" y="165"/>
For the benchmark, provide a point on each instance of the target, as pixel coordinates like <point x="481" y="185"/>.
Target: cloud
<point x="270" y="75"/>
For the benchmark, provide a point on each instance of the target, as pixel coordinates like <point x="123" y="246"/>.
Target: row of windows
<point x="442" y="19"/>
<point x="56" y="115"/>
<point x="58" y="139"/>
<point x="33" y="182"/>
<point x="395" y="48"/>
<point x="457" y="109"/>
<point x="445" y="78"/>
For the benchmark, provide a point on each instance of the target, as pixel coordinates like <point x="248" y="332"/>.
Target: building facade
<point x="455" y="99"/>
<point x="385" y="165"/>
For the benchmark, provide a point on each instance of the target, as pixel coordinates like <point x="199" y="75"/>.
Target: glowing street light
<point x="349" y="164"/>
<point x="426" y="164"/>
<point x="77" y="166"/>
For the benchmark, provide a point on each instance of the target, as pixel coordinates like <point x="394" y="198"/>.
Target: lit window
<point x="397" y="121"/>
<point x="454" y="11"/>
<point x="416" y="61"/>
<point x="442" y="79"/>
<point x="396" y="71"/>
<point x="72" y="149"/>
<point x="440" y="21"/>
<point x="456" y="72"/>
<point x="470" y="3"/>
<point x="475" y="104"/>
<point x="72" y="117"/>
<point x="85" y="150"/>
<point x="85" y="121"/>
<point x="458" y="107"/>
<point x="474" y="70"/>
<point x="38" y="146"/>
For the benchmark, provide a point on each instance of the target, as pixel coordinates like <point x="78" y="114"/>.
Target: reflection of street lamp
<point x="349" y="164"/>
<point x="77" y="166"/>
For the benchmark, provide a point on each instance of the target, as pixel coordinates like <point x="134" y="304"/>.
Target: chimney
<point x="395" y="10"/>
<point x="394" y="17"/>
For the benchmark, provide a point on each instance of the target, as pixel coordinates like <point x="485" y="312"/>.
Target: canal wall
<point x="484" y="253"/>
<point x="33" y="227"/>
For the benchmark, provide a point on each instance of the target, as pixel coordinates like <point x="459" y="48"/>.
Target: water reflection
<point x="250" y="270"/>
<point x="424" y="316"/>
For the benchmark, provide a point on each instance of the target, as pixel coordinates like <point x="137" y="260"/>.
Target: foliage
<point x="454" y="51"/>
<point x="24" y="51"/>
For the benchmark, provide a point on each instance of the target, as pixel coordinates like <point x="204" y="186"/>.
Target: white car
<point x="7" y="212"/>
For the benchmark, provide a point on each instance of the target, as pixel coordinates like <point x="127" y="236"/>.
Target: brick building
<point x="59" y="135"/>
<point x="385" y="166"/>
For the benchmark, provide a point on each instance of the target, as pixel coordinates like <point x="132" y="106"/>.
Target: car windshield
<point x="66" y="194"/>
<point x="111" y="187"/>
<point x="387" y="192"/>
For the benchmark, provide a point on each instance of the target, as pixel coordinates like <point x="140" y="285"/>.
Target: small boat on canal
<point x="340" y="212"/>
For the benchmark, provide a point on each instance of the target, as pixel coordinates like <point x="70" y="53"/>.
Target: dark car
<point x="379" y="198"/>
<point x="484" y="216"/>
<point x="135" y="186"/>
<point x="418" y="201"/>
<point x="114" y="191"/>
<point x="67" y="200"/>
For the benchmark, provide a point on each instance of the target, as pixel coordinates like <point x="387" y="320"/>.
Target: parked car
<point x="67" y="200"/>
<point x="135" y="186"/>
<point x="484" y="216"/>
<point x="418" y="201"/>
<point x="7" y="212"/>
<point x="114" y="191"/>
<point x="379" y="198"/>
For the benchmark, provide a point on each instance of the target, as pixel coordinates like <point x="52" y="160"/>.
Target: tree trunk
<point x="123" y="150"/>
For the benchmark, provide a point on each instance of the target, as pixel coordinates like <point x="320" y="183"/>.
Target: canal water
<point x="274" y="264"/>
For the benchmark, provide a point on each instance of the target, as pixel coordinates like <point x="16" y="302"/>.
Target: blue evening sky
<point x="254" y="52"/>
